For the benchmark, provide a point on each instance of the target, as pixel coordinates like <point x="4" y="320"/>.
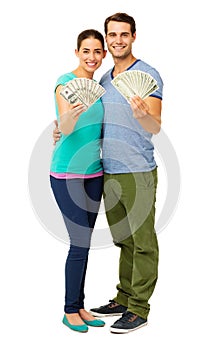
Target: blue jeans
<point x="78" y="201"/>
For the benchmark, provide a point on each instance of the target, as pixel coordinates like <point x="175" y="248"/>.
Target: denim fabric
<point x="79" y="201"/>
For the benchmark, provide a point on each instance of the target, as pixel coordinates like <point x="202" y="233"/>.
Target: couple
<point x="127" y="177"/>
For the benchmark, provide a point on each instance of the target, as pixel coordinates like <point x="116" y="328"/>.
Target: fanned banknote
<point x="135" y="82"/>
<point x="86" y="91"/>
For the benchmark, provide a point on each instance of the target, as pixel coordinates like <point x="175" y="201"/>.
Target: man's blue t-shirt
<point x="127" y="147"/>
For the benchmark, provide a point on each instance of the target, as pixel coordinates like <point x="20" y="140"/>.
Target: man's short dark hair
<point x="120" y="17"/>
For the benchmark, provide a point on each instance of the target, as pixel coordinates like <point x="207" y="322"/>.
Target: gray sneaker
<point x="111" y="309"/>
<point x="127" y="323"/>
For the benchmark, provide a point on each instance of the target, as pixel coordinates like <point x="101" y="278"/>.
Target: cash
<point x="86" y="91"/>
<point x="135" y="82"/>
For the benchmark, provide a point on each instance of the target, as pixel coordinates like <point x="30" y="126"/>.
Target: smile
<point x="118" y="47"/>
<point x="91" y="64"/>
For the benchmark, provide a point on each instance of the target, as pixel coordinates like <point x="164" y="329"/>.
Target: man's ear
<point x="134" y="36"/>
<point x="76" y="52"/>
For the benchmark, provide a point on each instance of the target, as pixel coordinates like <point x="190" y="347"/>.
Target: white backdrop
<point x="37" y="45"/>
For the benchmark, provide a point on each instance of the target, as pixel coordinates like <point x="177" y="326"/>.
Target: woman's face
<point x="90" y="54"/>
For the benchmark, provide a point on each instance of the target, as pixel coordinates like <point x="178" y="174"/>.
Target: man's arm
<point x="56" y="133"/>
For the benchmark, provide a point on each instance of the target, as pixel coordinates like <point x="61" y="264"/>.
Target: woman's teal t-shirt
<point x="79" y="152"/>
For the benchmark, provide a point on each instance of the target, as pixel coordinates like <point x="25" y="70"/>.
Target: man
<point x="130" y="180"/>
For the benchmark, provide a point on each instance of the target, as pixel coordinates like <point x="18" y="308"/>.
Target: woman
<point x="76" y="176"/>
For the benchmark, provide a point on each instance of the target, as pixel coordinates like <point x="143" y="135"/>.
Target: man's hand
<point x="147" y="112"/>
<point x="139" y="107"/>
<point x="56" y="133"/>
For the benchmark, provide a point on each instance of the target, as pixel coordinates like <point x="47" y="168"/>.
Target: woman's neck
<point x="81" y="73"/>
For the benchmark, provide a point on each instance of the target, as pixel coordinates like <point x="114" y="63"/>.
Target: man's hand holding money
<point x="139" y="107"/>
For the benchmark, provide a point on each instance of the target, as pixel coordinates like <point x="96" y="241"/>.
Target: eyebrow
<point x="85" y="48"/>
<point x="119" y="33"/>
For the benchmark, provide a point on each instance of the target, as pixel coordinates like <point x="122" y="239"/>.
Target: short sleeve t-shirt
<point x="79" y="152"/>
<point x="127" y="147"/>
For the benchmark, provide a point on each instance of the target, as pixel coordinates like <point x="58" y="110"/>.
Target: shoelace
<point x="128" y="317"/>
<point x="113" y="303"/>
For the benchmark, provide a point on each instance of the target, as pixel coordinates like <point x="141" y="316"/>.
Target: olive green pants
<point x="130" y="208"/>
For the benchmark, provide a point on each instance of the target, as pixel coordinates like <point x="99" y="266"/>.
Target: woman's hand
<point x="69" y="118"/>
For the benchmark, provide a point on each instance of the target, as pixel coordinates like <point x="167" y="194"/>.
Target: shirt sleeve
<point x="159" y="92"/>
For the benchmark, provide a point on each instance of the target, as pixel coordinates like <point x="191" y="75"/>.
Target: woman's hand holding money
<point x="70" y="117"/>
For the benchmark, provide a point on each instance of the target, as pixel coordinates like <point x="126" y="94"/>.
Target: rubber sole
<point x="122" y="331"/>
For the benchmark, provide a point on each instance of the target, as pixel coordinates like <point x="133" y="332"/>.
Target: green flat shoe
<point x="95" y="323"/>
<point x="80" y="328"/>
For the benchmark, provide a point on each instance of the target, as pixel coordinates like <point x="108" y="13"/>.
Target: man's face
<point x="119" y="39"/>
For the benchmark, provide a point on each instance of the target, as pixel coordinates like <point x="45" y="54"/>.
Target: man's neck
<point x="120" y="65"/>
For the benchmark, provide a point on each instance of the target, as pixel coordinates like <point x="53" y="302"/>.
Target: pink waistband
<point x="75" y="176"/>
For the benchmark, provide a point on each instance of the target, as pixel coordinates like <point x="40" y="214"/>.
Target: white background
<point x="37" y="45"/>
